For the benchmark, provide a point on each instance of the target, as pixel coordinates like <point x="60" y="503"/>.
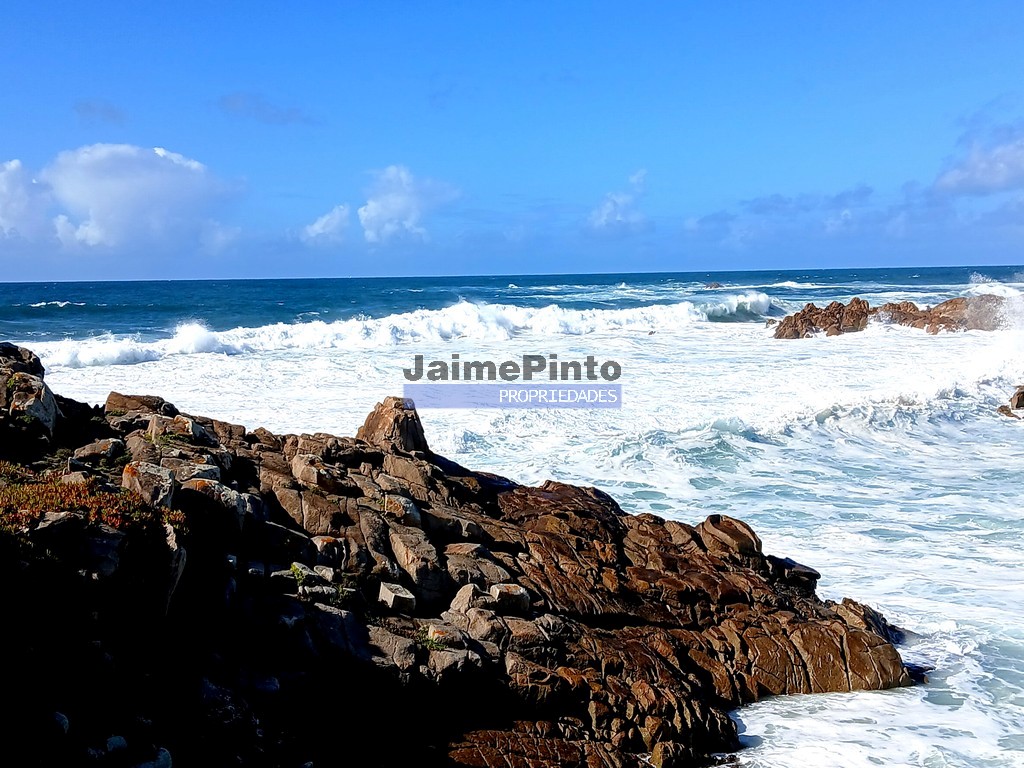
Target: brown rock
<point x="974" y="313"/>
<point x="635" y="636"/>
<point x="394" y="424"/>
<point x="121" y="404"/>
<point x="1017" y="399"/>
<point x="154" y="484"/>
<point x="419" y="559"/>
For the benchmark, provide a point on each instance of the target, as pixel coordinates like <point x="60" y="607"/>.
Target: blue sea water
<point x="875" y="457"/>
<point x="155" y="309"/>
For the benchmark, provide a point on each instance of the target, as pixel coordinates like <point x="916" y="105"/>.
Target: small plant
<point x="300" y="576"/>
<point x="430" y="643"/>
<point x="117" y="463"/>
<point x="25" y="498"/>
<point x="13" y="473"/>
<point x="342" y="597"/>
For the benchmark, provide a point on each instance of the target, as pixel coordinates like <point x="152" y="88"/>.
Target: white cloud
<point x="617" y="213"/>
<point x="986" y="170"/>
<point x="397" y="204"/>
<point x="120" y="194"/>
<point x="329" y="228"/>
<point x="24" y="203"/>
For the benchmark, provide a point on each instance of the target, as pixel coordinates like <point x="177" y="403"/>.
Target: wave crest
<point x="463" y="320"/>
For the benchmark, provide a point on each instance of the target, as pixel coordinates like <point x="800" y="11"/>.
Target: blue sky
<point x="229" y="139"/>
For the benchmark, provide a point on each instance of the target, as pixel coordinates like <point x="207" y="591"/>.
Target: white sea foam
<point x="993" y="288"/>
<point x="57" y="304"/>
<point x="462" y="321"/>
<point x="793" y="284"/>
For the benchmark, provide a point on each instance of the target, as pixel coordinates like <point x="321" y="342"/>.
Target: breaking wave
<point x="463" y="320"/>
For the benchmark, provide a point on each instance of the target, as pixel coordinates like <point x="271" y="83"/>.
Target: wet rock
<point x="834" y="319"/>
<point x="1017" y="399"/>
<point x="984" y="313"/>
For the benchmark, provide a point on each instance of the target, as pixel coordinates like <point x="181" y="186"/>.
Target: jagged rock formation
<point x="978" y="313"/>
<point x="291" y="597"/>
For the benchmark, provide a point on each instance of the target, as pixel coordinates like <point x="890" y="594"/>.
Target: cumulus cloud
<point x="617" y="214"/>
<point x="329" y="228"/>
<point x="255" y="107"/>
<point x="114" y="194"/>
<point x="397" y="204"/>
<point x="24" y="203"/>
<point x="986" y="169"/>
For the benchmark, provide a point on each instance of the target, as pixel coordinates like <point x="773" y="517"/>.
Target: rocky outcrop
<point x="976" y="313"/>
<point x="28" y="409"/>
<point x="394" y="423"/>
<point x="414" y="610"/>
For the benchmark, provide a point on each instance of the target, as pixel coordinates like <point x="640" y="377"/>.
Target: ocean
<point x="877" y="457"/>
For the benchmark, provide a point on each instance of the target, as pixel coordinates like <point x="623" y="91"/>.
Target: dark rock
<point x="20" y="360"/>
<point x="601" y="637"/>
<point x="107" y="449"/>
<point x="1017" y="399"/>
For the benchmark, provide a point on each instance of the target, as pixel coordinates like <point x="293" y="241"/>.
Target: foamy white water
<point x="876" y="458"/>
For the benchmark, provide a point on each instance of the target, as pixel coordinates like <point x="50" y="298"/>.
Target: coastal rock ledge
<point x="975" y="313"/>
<point x="177" y="585"/>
